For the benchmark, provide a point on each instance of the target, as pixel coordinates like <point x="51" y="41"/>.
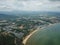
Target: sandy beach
<point x="28" y="36"/>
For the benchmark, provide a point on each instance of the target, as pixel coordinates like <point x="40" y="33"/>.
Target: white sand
<point x="28" y="36"/>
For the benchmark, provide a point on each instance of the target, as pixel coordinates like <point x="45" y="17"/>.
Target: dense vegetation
<point x="7" y="38"/>
<point x="13" y="30"/>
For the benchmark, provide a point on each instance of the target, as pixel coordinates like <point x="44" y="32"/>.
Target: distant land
<point x="19" y="13"/>
<point x="6" y="16"/>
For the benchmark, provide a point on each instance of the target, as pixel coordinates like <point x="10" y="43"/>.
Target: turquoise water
<point x="47" y="36"/>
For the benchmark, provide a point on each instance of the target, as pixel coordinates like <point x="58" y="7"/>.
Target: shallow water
<point x="47" y="36"/>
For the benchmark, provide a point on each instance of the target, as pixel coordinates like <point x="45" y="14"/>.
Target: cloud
<point x="54" y="0"/>
<point x="30" y="5"/>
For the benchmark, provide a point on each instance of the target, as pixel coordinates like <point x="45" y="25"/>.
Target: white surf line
<point x="28" y="36"/>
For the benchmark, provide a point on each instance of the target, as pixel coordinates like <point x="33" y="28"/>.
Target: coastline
<point x="28" y="36"/>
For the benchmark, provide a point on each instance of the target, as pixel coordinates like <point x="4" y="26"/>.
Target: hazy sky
<point x="30" y="5"/>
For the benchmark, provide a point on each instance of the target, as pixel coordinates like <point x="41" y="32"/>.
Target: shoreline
<point x="28" y="36"/>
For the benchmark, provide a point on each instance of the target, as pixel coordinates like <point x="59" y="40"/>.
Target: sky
<point x="30" y="5"/>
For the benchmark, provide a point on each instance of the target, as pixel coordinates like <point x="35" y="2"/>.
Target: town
<point x="17" y="29"/>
